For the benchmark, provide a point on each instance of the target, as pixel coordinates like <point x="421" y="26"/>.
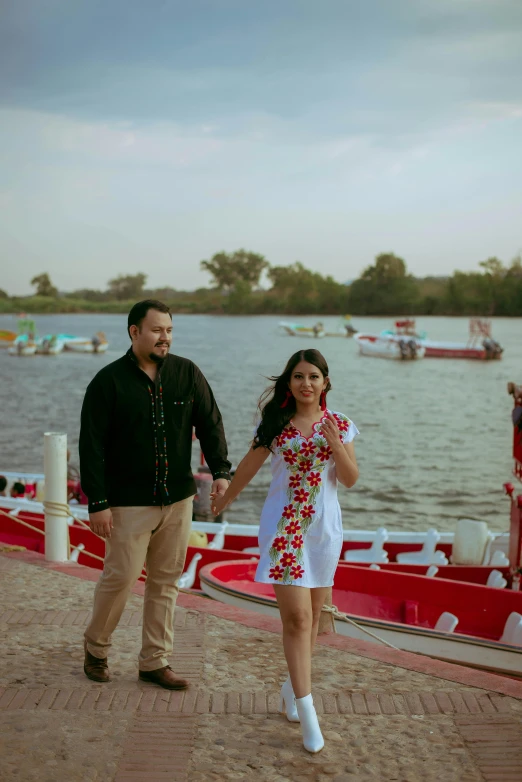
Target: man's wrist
<point x="222" y="475"/>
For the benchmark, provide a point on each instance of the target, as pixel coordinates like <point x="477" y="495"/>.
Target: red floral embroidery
<point x="297" y="571"/>
<point x="308" y="448"/>
<point x="276" y="573"/>
<point x="305" y="465"/>
<point x="297" y="541"/>
<point x="287" y="559"/>
<point x="324" y="453"/>
<point x="342" y="424"/>
<point x="295" y="481"/>
<point x="289" y="512"/>
<point x="301" y="496"/>
<point x="290" y="456"/>
<point x="292" y="528"/>
<point x="279" y="544"/>
<point x="307" y="511"/>
<point x="314" y="479"/>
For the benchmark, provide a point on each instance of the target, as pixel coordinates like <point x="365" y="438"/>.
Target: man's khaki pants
<point x="154" y="536"/>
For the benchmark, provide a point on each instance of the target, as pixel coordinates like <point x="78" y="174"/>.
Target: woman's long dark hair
<point x="274" y="418"/>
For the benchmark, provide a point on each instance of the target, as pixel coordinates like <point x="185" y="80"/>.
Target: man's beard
<point x="158" y="359"/>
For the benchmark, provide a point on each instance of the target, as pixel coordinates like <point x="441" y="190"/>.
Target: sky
<point x="145" y="137"/>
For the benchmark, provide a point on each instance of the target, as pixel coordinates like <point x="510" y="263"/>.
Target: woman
<point x="300" y="531"/>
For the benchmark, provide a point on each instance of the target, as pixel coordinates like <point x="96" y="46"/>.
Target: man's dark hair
<point x="3" y="482"/>
<point x="18" y="488"/>
<point x="139" y="311"/>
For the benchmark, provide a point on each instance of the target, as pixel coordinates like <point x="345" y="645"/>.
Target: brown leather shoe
<point x="95" y="668"/>
<point x="164" y="677"/>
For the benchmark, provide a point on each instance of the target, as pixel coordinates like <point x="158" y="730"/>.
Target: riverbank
<point x="385" y="715"/>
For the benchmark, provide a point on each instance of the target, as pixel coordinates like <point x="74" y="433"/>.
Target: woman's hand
<point x="218" y="504"/>
<point x="331" y="433"/>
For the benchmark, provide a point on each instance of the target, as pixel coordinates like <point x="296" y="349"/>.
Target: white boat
<point x="390" y="346"/>
<point x="480" y="345"/>
<point x="49" y="345"/>
<point x="22" y="346"/>
<point x="96" y="344"/>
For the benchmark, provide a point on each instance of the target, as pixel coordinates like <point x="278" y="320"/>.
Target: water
<point x="435" y="437"/>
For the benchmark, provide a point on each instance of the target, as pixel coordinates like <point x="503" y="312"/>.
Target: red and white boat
<point x="473" y="625"/>
<point x="480" y="345"/>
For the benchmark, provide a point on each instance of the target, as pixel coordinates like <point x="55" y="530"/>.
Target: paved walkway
<point x="385" y="715"/>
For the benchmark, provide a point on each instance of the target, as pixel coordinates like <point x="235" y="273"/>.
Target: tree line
<point x="384" y="288"/>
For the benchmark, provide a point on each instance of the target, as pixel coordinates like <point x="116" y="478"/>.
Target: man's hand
<point x="219" y="487"/>
<point x="101" y="523"/>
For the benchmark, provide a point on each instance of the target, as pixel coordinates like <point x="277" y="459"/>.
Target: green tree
<point x="385" y="288"/>
<point x="128" y="286"/>
<point x="227" y="269"/>
<point x="44" y="286"/>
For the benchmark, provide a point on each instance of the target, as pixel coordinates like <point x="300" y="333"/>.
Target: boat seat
<point x="375" y="553"/>
<point x="428" y="555"/>
<point x="218" y="541"/>
<point x="497" y="546"/>
<point x="446" y="623"/>
<point x="496" y="580"/>
<point x="499" y="559"/>
<point x="252" y="550"/>
<point x="470" y="542"/>
<point x="189" y="576"/>
<point x="512" y="630"/>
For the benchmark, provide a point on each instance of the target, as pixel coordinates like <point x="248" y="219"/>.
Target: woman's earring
<point x="288" y="397"/>
<point x="323" y="401"/>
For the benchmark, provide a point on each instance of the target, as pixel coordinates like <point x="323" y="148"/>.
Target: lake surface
<point x="436" y="434"/>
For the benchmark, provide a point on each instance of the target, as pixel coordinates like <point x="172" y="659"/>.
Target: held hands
<point x="331" y="433"/>
<point x="217" y="492"/>
<point x="101" y="523"/>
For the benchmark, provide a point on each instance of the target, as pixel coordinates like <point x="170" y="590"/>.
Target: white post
<point x="55" y="468"/>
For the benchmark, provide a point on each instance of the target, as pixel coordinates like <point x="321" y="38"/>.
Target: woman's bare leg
<point x="295" y="607"/>
<point x="318" y="596"/>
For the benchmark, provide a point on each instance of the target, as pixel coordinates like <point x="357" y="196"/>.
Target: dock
<point x="385" y="715"/>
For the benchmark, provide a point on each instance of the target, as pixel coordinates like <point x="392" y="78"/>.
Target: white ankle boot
<point x="287" y="702"/>
<point x="312" y="737"/>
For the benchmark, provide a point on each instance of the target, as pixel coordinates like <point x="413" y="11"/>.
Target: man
<point x="135" y="453"/>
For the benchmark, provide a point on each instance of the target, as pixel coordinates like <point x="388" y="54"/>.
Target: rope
<point x="339" y="615"/>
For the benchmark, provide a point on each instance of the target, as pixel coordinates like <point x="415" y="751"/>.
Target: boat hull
<point x="389" y="347"/>
<point x="233" y="583"/>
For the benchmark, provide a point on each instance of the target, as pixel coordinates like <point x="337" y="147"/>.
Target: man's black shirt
<point x="136" y="434"/>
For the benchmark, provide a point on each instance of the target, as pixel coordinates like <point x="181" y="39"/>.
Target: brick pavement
<point x="489" y="722"/>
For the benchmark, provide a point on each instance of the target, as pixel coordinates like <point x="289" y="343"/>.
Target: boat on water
<point x="345" y="329"/>
<point x="96" y="344"/>
<point x="480" y="345"/>
<point x="390" y="346"/>
<point x="473" y="624"/>
<point x="7" y="338"/>
<point x="22" y="346"/>
<point x="49" y="345"/>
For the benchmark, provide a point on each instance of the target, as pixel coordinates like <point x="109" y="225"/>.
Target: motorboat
<point x="296" y="330"/>
<point x="480" y="345"/>
<point x="22" y="346"/>
<point x="459" y="622"/>
<point x="390" y="346"/>
<point x="96" y="344"/>
<point x="7" y="338"/>
<point x="49" y="345"/>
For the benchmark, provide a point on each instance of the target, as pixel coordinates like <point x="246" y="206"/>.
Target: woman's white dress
<point x="301" y="530"/>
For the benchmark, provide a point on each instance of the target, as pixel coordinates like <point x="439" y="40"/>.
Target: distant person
<point x="17" y="489"/>
<point x="3" y="486"/>
<point x="135" y="457"/>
